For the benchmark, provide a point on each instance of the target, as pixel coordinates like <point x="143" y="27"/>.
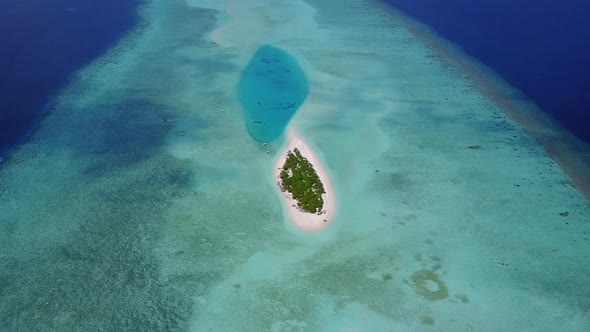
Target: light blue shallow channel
<point x="271" y="89"/>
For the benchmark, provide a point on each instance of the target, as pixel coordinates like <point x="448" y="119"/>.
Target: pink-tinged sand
<point x="305" y="220"/>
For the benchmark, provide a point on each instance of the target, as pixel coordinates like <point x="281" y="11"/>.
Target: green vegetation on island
<point x="300" y="179"/>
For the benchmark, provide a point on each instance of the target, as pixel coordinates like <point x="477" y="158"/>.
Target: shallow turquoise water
<point x="271" y="89"/>
<point x="142" y="203"/>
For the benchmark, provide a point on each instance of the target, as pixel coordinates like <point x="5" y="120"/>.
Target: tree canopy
<point x="300" y="179"/>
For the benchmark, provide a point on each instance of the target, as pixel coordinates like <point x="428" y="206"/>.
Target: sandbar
<point x="304" y="220"/>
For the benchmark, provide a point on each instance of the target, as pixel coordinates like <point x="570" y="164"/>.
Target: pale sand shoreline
<point x="305" y="220"/>
<point x="218" y="35"/>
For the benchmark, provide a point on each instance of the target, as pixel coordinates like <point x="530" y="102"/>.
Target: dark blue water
<point x="541" y="47"/>
<point x="271" y="89"/>
<point x="42" y="43"/>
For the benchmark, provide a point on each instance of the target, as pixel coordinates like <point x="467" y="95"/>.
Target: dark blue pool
<point x="271" y="89"/>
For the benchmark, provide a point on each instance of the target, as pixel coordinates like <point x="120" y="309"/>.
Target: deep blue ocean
<point x="42" y="43"/>
<point x="541" y="47"/>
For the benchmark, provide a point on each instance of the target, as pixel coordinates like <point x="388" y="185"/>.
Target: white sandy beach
<point x="305" y="220"/>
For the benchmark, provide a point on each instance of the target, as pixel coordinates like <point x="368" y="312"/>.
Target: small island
<point x="304" y="185"/>
<point x="300" y="179"/>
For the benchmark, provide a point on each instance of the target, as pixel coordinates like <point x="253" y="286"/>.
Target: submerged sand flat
<point x="159" y="212"/>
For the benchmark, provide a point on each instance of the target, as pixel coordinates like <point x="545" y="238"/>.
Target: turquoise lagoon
<point x="271" y="89"/>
